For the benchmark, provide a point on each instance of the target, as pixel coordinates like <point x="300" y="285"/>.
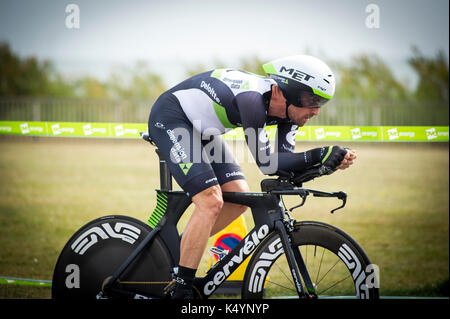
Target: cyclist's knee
<point x="209" y="201"/>
<point x="238" y="185"/>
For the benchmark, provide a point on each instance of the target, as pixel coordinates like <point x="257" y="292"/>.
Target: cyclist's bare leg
<point x="229" y="211"/>
<point x="208" y="204"/>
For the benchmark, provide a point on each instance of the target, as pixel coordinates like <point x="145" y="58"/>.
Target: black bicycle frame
<point x="268" y="216"/>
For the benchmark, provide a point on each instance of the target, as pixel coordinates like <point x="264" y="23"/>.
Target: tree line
<point x="364" y="77"/>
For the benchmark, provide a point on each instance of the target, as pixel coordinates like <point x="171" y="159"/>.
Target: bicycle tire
<point x="343" y="255"/>
<point x="98" y="248"/>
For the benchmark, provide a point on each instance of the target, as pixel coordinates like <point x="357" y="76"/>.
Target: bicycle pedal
<point x="170" y="286"/>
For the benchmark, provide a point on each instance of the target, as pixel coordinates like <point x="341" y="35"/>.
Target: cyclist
<point x="186" y="123"/>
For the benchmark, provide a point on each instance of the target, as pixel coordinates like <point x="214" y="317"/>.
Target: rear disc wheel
<point x="99" y="248"/>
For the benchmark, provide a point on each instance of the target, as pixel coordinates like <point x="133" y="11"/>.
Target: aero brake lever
<point x="343" y="197"/>
<point x="303" y="195"/>
<point x="339" y="195"/>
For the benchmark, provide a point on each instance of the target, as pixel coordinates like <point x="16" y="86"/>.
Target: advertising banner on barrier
<point x="73" y="129"/>
<point x="415" y="133"/>
<point x="308" y="133"/>
<point x="345" y="133"/>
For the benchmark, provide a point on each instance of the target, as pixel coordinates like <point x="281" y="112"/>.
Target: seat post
<point x="165" y="177"/>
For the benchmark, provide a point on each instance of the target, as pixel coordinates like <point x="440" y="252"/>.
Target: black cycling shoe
<point x="182" y="292"/>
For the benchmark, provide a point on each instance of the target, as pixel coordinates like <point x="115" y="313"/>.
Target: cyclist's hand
<point x="333" y="160"/>
<point x="348" y="159"/>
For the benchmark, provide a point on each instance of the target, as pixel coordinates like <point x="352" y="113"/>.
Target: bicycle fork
<point x="296" y="264"/>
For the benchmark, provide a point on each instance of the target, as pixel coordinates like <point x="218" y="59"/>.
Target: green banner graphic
<point x="308" y="133"/>
<point x="73" y="129"/>
<point x="25" y="282"/>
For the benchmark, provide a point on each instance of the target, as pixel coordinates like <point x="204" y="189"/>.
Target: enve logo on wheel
<point x="364" y="278"/>
<point x="267" y="258"/>
<point x="126" y="232"/>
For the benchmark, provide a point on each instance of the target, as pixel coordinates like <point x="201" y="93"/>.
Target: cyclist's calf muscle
<point x="210" y="216"/>
<point x="208" y="204"/>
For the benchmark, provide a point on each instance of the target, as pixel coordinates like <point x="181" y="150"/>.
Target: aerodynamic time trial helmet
<point x="304" y="80"/>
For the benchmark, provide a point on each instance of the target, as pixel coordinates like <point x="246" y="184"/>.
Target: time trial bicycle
<point x="122" y="257"/>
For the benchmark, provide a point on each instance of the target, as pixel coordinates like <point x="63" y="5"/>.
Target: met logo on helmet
<point x="296" y="74"/>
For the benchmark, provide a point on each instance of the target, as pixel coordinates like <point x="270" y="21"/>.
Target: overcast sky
<point x="171" y="35"/>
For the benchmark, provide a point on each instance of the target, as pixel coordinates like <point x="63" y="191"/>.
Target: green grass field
<point x="398" y="205"/>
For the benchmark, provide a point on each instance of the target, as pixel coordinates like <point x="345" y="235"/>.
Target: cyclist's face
<point x="301" y="115"/>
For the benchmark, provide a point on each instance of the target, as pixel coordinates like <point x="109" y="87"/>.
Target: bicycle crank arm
<point x="122" y="293"/>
